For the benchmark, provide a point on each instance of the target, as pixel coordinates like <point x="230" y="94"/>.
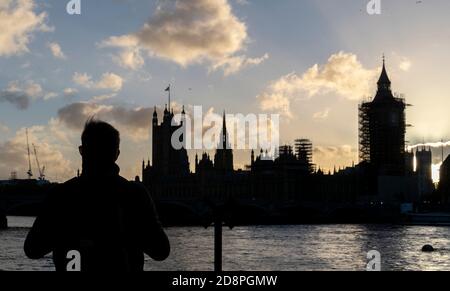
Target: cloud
<point x="56" y="50"/>
<point x="3" y="128"/>
<point x="50" y="95"/>
<point x="234" y="64"/>
<point x="70" y="92"/>
<point x="130" y="56"/>
<point x="186" y="32"/>
<point x="130" y="59"/>
<point x="134" y="122"/>
<point x="437" y="145"/>
<point x="30" y="88"/>
<point x="108" y="81"/>
<point x="19" y="100"/>
<point x="322" y="114"/>
<point x="13" y="154"/>
<point x="328" y="157"/>
<point x="343" y="74"/>
<point x="405" y="64"/>
<point x="18" y="22"/>
<point x="33" y="89"/>
<point x="103" y="97"/>
<point x="20" y="94"/>
<point x="276" y="101"/>
<point x="82" y="80"/>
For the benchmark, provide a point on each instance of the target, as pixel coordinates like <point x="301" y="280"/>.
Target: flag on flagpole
<point x="168" y="90"/>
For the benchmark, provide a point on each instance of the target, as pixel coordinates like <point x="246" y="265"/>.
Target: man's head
<point x="100" y="143"/>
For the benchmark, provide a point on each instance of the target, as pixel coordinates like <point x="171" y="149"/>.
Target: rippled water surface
<point x="278" y="248"/>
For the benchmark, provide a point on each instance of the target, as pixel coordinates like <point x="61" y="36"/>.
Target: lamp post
<point x="221" y="215"/>
<point x="218" y="243"/>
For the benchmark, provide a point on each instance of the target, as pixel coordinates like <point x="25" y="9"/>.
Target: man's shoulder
<point x="59" y="191"/>
<point x="134" y="191"/>
<point x="72" y="181"/>
<point x="119" y="183"/>
<point x="132" y="185"/>
<point x="68" y="183"/>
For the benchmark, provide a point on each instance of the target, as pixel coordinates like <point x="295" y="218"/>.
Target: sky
<point x="311" y="61"/>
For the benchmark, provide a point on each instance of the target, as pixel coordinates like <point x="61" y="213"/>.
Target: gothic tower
<point x="223" y="159"/>
<point x="383" y="130"/>
<point x="167" y="161"/>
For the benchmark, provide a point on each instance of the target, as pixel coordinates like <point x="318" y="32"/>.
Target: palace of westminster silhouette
<point x="387" y="174"/>
<point x="287" y="188"/>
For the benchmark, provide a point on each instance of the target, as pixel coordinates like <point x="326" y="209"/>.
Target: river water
<point x="274" y="248"/>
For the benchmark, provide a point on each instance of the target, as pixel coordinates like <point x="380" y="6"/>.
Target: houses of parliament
<point x="290" y="184"/>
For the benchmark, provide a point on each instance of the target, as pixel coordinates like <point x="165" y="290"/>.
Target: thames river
<point x="274" y="248"/>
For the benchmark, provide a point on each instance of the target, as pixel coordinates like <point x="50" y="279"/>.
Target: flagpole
<point x="169" y="96"/>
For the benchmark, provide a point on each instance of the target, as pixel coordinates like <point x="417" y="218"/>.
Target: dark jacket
<point x="112" y="222"/>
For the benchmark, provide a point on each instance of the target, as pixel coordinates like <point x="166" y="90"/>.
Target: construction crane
<point x="41" y="170"/>
<point x="30" y="172"/>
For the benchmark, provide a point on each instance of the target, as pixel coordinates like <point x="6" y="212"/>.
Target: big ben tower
<point x="383" y="129"/>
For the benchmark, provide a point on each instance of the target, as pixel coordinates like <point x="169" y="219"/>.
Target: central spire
<point x="384" y="78"/>
<point x="224" y="131"/>
<point x="224" y="136"/>
<point x="224" y="124"/>
<point x="384" y="84"/>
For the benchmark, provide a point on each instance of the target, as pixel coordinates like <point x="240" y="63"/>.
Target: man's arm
<point x="39" y="240"/>
<point x="155" y="241"/>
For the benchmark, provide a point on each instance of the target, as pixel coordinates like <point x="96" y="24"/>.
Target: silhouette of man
<point x="108" y="220"/>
